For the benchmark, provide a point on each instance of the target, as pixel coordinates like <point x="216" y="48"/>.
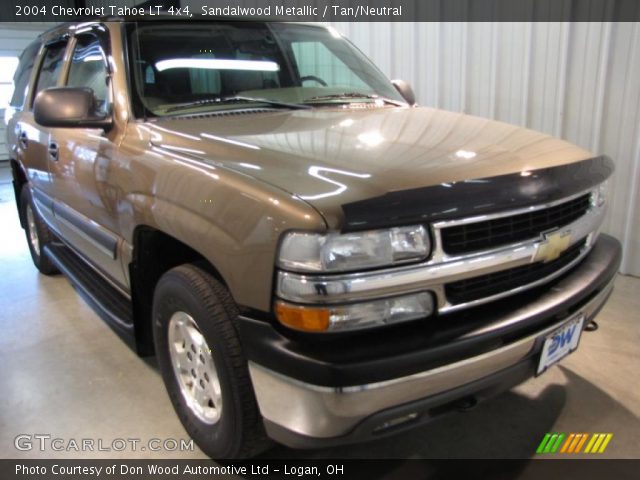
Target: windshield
<point x="196" y="67"/>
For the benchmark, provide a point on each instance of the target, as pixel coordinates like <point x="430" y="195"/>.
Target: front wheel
<point x="203" y="364"/>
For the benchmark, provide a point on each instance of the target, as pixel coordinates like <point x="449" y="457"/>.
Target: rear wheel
<point x="38" y="234"/>
<point x="203" y="364"/>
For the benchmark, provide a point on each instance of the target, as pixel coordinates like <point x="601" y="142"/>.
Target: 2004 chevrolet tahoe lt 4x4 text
<point x="312" y="258"/>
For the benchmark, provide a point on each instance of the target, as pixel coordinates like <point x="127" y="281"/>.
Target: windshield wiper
<point x="354" y="95"/>
<point x="237" y="99"/>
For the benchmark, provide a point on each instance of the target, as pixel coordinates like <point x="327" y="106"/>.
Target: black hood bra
<point x="482" y="196"/>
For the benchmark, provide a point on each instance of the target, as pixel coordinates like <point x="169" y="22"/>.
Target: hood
<point x="333" y="157"/>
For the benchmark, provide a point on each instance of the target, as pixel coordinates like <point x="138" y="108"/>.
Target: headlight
<point x="355" y="316"/>
<point x="599" y="194"/>
<point x="334" y="252"/>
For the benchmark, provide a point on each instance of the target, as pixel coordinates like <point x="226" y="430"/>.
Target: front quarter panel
<point x="232" y="219"/>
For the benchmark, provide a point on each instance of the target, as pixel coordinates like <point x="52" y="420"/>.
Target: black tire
<point x="43" y="236"/>
<point x="239" y="431"/>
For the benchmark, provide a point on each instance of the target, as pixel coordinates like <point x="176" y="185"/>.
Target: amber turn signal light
<point x="303" y="318"/>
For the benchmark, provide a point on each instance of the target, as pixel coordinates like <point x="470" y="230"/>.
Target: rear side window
<point x="23" y="74"/>
<point x="51" y="66"/>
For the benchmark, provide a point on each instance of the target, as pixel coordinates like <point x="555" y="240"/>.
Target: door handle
<point x="53" y="151"/>
<point x="23" y="140"/>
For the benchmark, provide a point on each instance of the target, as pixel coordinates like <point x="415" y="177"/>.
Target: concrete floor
<point x="63" y="372"/>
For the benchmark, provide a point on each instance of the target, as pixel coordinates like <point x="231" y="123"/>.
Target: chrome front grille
<point x="496" y="232"/>
<point x="491" y="284"/>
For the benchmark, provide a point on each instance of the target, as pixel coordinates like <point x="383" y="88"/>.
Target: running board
<point x="111" y="305"/>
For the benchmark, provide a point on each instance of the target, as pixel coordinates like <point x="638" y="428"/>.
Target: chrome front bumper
<point x="323" y="412"/>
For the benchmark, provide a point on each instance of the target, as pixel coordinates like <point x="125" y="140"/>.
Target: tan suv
<point x="312" y="257"/>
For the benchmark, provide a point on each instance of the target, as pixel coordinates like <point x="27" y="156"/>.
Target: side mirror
<point x="68" y="107"/>
<point x="405" y="90"/>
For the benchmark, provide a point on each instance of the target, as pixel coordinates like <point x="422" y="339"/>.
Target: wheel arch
<point x="154" y="253"/>
<point x="19" y="180"/>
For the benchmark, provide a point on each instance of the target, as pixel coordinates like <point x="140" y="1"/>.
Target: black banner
<point x="328" y="10"/>
<point x="583" y="469"/>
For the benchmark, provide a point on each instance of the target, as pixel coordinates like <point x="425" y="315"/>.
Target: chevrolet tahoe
<point x="313" y="258"/>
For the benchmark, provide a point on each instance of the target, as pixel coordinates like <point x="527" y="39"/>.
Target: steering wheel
<point x="313" y="78"/>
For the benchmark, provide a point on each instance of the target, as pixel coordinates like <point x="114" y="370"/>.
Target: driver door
<point x="80" y="159"/>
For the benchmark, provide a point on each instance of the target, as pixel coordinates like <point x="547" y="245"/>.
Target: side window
<point x="23" y="75"/>
<point x="88" y="69"/>
<point x="51" y="66"/>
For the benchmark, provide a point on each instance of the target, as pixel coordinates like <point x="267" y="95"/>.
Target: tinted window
<point x="320" y="66"/>
<point x="183" y="66"/>
<point x="88" y="69"/>
<point x="23" y="74"/>
<point x="51" y="66"/>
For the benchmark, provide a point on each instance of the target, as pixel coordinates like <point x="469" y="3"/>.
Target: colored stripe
<point x="547" y="449"/>
<point x="590" y="444"/>
<point x="554" y="449"/>
<point x="543" y="443"/>
<point x="566" y="444"/>
<point x="606" y="442"/>
<point x="574" y="443"/>
<point x="598" y="442"/>
<point x="582" y="440"/>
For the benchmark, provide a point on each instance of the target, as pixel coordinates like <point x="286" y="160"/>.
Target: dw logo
<point x="561" y="339"/>
<point x="573" y="443"/>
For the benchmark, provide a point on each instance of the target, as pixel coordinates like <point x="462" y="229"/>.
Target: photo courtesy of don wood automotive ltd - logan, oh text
<point x="365" y="239"/>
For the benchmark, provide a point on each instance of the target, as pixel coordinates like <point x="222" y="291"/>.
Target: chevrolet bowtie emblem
<point x="552" y="246"/>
